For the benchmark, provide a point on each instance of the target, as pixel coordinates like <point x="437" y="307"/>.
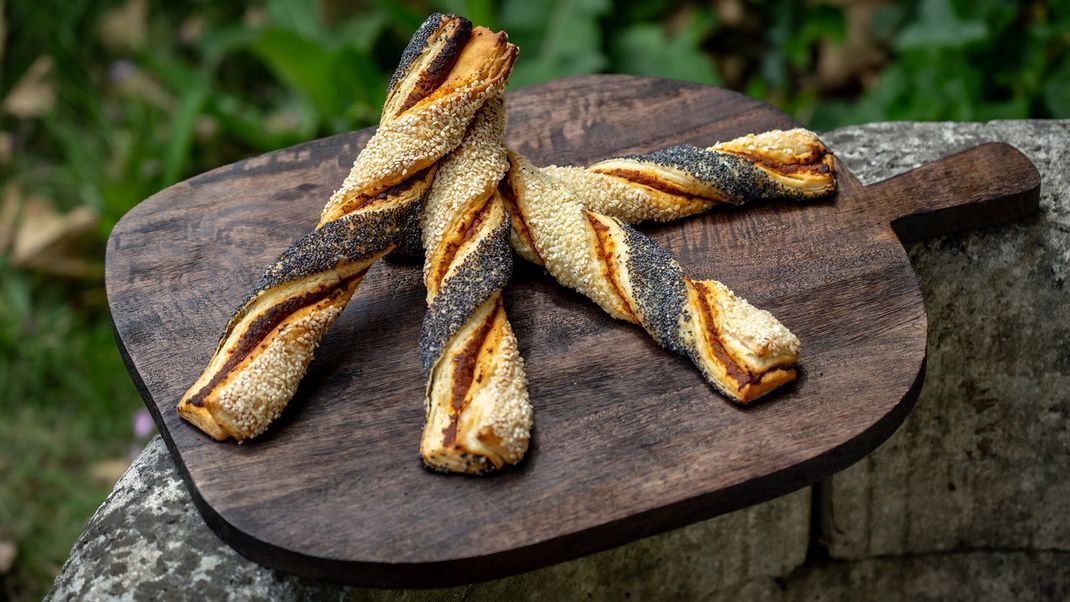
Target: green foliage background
<point x="179" y="88"/>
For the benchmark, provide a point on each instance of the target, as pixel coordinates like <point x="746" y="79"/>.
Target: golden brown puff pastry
<point x="683" y="180"/>
<point x="446" y="73"/>
<point x="478" y="418"/>
<point x="743" y="351"/>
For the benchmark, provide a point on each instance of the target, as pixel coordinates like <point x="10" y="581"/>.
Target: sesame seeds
<point x="489" y="425"/>
<point x="250" y="401"/>
<point x="617" y="197"/>
<point x="753" y="335"/>
<point x="558" y="204"/>
<point x="797" y="164"/>
<point x="468" y="175"/>
<point x="367" y="217"/>
<point x="562" y="236"/>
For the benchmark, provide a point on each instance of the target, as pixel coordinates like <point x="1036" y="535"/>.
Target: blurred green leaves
<point x="938" y="27"/>
<point x="650" y="49"/>
<point x="1057" y="90"/>
<point x="134" y="95"/>
<point x="218" y="82"/>
<point x="328" y="69"/>
<point x="557" y="38"/>
<point x="189" y="106"/>
<point x="958" y="60"/>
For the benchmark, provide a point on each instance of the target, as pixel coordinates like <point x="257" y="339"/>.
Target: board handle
<point x="988" y="184"/>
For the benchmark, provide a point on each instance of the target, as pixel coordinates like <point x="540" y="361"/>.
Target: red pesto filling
<point x="738" y="374"/>
<point x="649" y="181"/>
<point x="435" y="73"/>
<point x="465" y="231"/>
<point x="520" y="223"/>
<point x="815" y="166"/>
<point x="355" y="200"/>
<point x="262" y="326"/>
<point x="605" y="249"/>
<point x="464" y="370"/>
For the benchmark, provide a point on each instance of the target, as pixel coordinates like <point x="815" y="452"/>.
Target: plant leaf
<point x="35" y="92"/>
<point x="647" y="49"/>
<point x="1057" y="90"/>
<point x="404" y="18"/>
<point x="563" y="36"/>
<point x="302" y="64"/>
<point x="189" y="108"/>
<point x="938" y="26"/>
<point x="299" y="16"/>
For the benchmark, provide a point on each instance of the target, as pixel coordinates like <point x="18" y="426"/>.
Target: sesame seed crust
<point x="684" y="180"/>
<point x="257" y="395"/>
<point x="448" y="71"/>
<point x="468" y="176"/>
<point x="478" y="413"/>
<point x="563" y="238"/>
<point x="742" y="351"/>
<point x="622" y="199"/>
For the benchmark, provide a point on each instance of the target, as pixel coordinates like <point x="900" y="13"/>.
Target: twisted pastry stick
<point x="683" y="180"/>
<point x="742" y="351"/>
<point x="445" y="75"/>
<point x="478" y="415"/>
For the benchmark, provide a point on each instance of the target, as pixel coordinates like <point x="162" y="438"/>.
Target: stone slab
<point x="977" y="576"/>
<point x="981" y="461"/>
<point x="147" y="542"/>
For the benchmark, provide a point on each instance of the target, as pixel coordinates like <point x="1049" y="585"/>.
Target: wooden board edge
<point x="505" y="563"/>
<point x="561" y="549"/>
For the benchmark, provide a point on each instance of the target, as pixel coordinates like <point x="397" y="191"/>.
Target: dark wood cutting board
<point x="629" y="440"/>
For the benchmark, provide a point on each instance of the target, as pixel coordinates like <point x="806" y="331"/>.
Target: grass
<point x="66" y="406"/>
<point x="50" y="490"/>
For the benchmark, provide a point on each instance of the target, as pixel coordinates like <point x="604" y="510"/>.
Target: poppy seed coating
<point x="418" y="43"/>
<point x="485" y="270"/>
<point x="409" y="244"/>
<point x="658" y="291"/>
<point x="415" y="47"/>
<point x="737" y="179"/>
<point x="345" y="240"/>
<point x="375" y="209"/>
<point x="350" y="239"/>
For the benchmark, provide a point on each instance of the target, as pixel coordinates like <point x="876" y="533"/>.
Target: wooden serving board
<point x="629" y="440"/>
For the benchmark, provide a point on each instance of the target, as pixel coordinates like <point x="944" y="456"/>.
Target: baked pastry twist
<point x="445" y="75"/>
<point x="742" y="351"/>
<point x="478" y="415"/>
<point x="683" y="180"/>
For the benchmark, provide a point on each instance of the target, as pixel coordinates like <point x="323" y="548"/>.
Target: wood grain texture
<point x="629" y="439"/>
